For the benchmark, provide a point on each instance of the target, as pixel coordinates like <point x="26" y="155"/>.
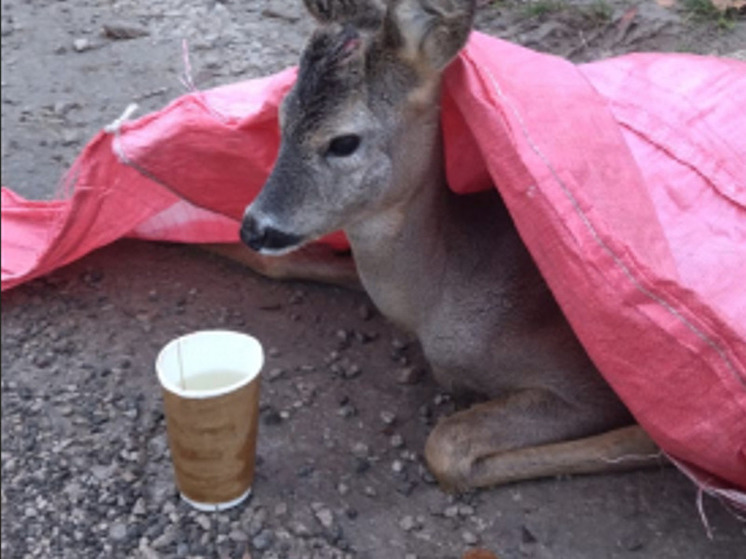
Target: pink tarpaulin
<point x="626" y="179"/>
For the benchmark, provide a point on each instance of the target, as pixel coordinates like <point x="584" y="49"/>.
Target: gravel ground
<point x="346" y="399"/>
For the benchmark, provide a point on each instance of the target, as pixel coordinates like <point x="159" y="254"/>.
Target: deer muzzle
<point x="262" y="237"/>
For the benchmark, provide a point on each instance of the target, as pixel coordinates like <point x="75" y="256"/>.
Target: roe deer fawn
<point x="361" y="151"/>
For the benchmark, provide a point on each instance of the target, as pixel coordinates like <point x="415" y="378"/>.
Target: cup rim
<point x="168" y="385"/>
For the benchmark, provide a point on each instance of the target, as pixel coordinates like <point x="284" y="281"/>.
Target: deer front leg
<point x="314" y="262"/>
<point x="528" y="435"/>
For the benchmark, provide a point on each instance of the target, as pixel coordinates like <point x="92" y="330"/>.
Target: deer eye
<point x="342" y="146"/>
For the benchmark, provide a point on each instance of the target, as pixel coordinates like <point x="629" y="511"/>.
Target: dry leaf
<point x="723" y="5"/>
<point x="666" y="3"/>
<point x="479" y="554"/>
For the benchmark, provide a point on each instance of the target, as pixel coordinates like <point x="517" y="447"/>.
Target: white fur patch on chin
<point x="280" y="251"/>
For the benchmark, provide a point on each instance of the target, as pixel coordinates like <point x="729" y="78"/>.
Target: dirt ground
<point x="345" y="411"/>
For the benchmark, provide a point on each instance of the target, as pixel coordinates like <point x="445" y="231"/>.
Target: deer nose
<point x="252" y="233"/>
<point x="263" y="237"/>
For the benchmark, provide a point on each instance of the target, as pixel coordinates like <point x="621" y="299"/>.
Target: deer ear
<point x="364" y="14"/>
<point x="428" y="33"/>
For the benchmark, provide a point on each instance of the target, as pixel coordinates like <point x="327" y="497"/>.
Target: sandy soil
<point x="345" y="412"/>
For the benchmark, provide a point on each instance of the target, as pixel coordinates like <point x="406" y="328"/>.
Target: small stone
<point x="301" y="530"/>
<point x="164" y="539"/>
<point x="406" y="487"/>
<point x="305" y="470"/>
<point x="365" y="337"/>
<point x="469" y="538"/>
<point x="203" y="522"/>
<point x="397" y="466"/>
<point x="343" y="336"/>
<point x="81" y="44"/>
<point x="362" y="465"/>
<point x="147" y="552"/>
<point x="274" y="352"/>
<point x="410" y="375"/>
<point x="370" y="491"/>
<point x="426" y="476"/>
<point x="275" y="374"/>
<point x="451" y="512"/>
<point x="343" y="489"/>
<point x="361" y="450"/>
<point x="325" y="517"/>
<point x="388" y="417"/>
<point x="365" y="311"/>
<point x="118" y="531"/>
<point x="123" y="31"/>
<point x="347" y="410"/>
<point x="139" y="508"/>
<point x="527" y="536"/>
<point x="396" y="440"/>
<point x="407" y="523"/>
<point x="352" y="371"/>
<point x="441" y="399"/>
<point x="238" y="536"/>
<point x="70" y="137"/>
<point x="271" y="417"/>
<point x="466" y="510"/>
<point x="398" y="344"/>
<point x="263" y="540"/>
<point x="281" y="509"/>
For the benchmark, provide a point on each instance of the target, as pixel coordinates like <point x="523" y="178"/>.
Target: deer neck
<point x="399" y="250"/>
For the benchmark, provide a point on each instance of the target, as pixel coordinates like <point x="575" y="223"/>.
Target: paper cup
<point x="210" y="382"/>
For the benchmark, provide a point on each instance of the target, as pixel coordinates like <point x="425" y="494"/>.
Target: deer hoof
<point x="447" y="455"/>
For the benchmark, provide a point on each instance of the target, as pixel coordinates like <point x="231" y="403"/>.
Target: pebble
<point x="325" y="517"/>
<point x="365" y="311"/>
<point x="469" y="538"/>
<point x="388" y="417"/>
<point x="81" y="44"/>
<point x="396" y="440"/>
<point x="165" y="539"/>
<point x="352" y="371"/>
<point x="360" y="450"/>
<point x="238" y="536"/>
<point x="122" y="31"/>
<point x="451" y="512"/>
<point x="263" y="540"/>
<point x="275" y="374"/>
<point x="410" y="375"/>
<point x="347" y="410"/>
<point x="118" y="531"/>
<point x="70" y="137"/>
<point x="407" y="523"/>
<point x="203" y="522"/>
<point x="147" y="552"/>
<point x="527" y="536"/>
<point x="281" y="509"/>
<point x="466" y="510"/>
<point x="139" y="508"/>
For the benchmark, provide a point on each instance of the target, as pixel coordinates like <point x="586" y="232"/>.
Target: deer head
<point x="360" y="128"/>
